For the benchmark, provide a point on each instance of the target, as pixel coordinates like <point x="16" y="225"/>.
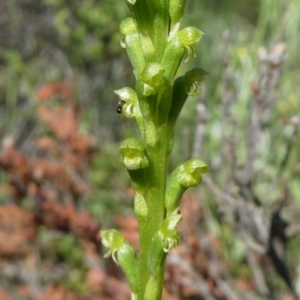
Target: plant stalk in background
<point x="155" y="46"/>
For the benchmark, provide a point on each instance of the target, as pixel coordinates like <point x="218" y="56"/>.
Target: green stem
<point x="150" y="224"/>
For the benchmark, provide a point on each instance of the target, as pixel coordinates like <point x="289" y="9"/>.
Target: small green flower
<point x="130" y="107"/>
<point x="189" y="174"/>
<point x="193" y="79"/>
<point x="169" y="232"/>
<point x="184" y="86"/>
<point x="152" y="77"/>
<point x="188" y="37"/>
<point x="133" y="155"/>
<point x="113" y="240"/>
<point x="163" y="241"/>
<point x="123" y="254"/>
<point x="183" y="177"/>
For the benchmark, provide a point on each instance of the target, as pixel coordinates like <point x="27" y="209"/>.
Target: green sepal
<point x="162" y="242"/>
<point x="188" y="84"/>
<point x="183" y="177"/>
<point x="189" y="36"/>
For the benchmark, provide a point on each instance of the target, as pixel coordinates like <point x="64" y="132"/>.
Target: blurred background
<point x="61" y="182"/>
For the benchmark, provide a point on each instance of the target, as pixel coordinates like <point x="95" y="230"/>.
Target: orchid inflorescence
<point x="155" y="45"/>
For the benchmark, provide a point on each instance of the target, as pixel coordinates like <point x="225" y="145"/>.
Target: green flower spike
<point x="188" y="37"/>
<point x="155" y="46"/>
<point x="183" y="177"/>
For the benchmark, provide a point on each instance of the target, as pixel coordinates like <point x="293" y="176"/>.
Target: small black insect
<point x="120" y="106"/>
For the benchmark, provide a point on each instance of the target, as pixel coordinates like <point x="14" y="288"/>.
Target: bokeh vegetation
<point x="65" y="56"/>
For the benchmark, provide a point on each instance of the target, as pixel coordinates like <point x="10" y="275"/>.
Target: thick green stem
<point x="150" y="224"/>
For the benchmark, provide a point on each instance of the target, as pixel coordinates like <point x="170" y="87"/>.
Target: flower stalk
<point x="155" y="46"/>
